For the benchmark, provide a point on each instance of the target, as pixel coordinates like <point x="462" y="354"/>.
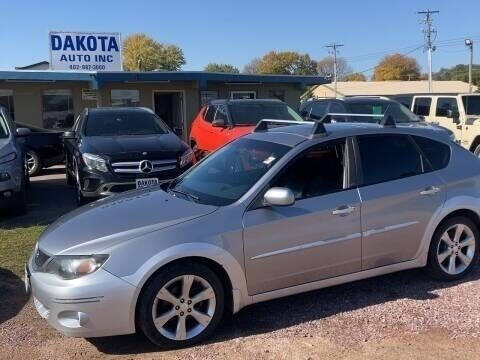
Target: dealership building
<point x="53" y="99"/>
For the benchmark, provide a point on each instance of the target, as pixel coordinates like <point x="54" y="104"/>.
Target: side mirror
<point x="23" y="132"/>
<point x="69" y="135"/>
<point x="452" y="114"/>
<point x="279" y="196"/>
<point x="219" y="123"/>
<point x="178" y="131"/>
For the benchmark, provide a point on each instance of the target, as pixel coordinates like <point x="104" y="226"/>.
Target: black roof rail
<point x="317" y="129"/>
<point x="386" y="119"/>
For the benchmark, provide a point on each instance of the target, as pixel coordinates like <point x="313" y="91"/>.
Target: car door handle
<point x="343" y="210"/>
<point x="431" y="190"/>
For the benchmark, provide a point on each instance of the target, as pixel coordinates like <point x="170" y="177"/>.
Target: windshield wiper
<point x="188" y="195"/>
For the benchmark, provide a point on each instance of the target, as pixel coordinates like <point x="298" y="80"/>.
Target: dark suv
<point x="110" y="150"/>
<point x="375" y="106"/>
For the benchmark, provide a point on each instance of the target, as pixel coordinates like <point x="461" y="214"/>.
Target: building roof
<point x="349" y="88"/>
<point x="98" y="79"/>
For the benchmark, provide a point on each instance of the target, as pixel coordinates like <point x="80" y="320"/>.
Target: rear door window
<point x="421" y="106"/>
<point x="444" y="104"/>
<point x="209" y="114"/>
<point x="388" y="157"/>
<point x="438" y="154"/>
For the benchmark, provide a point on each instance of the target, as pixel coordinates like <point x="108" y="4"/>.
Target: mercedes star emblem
<point x="145" y="166"/>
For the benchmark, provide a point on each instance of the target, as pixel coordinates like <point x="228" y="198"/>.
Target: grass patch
<point x="16" y="245"/>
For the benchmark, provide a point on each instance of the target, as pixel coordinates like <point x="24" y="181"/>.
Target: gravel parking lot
<point x="399" y="316"/>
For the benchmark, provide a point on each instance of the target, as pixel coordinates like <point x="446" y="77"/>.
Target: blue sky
<point x="224" y="32"/>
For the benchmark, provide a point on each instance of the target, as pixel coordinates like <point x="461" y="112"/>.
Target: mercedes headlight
<point x="72" y="267"/>
<point x="95" y="162"/>
<point x="187" y="157"/>
<point x="7" y="158"/>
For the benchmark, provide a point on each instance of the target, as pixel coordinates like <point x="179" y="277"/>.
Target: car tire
<point x="80" y="199"/>
<point x="34" y="163"/>
<point x="454" y="249"/>
<point x="477" y="151"/>
<point x="181" y="320"/>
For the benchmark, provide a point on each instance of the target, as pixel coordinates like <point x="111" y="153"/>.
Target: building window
<point x="277" y="94"/>
<point x="243" y="95"/>
<point x="57" y="109"/>
<point x="6" y="100"/>
<point x="125" y="98"/>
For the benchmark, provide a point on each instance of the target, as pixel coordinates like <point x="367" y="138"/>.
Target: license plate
<point x="143" y="183"/>
<point x="27" y="281"/>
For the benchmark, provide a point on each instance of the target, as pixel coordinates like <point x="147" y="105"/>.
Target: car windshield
<point x="227" y="174"/>
<point x="471" y="105"/>
<point x="399" y="113"/>
<point x="251" y="113"/>
<point x="3" y="128"/>
<point x="123" y="123"/>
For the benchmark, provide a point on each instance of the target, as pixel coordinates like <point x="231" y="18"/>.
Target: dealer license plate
<point x="143" y="183"/>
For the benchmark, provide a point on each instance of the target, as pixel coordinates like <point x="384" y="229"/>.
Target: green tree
<point x="459" y="72"/>
<point x="355" y="77"/>
<point x="397" y="67"/>
<point x="221" y="68"/>
<point x="142" y="53"/>
<point x="288" y="63"/>
<point x="325" y="67"/>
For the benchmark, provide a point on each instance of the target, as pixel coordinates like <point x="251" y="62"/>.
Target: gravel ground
<point x="403" y="315"/>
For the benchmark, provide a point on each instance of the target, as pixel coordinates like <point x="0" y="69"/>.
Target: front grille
<point x="40" y="258"/>
<point x="134" y="167"/>
<point x="121" y="188"/>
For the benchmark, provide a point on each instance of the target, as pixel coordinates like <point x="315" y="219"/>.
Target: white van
<point x="459" y="113"/>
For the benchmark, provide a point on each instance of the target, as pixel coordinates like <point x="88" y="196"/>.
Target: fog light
<point x="7" y="194"/>
<point x="4" y="176"/>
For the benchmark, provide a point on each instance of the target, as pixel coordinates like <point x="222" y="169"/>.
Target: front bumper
<point x="10" y="187"/>
<point x="98" y="304"/>
<point x="97" y="184"/>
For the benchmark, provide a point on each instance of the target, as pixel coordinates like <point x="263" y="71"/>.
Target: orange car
<point x="225" y="120"/>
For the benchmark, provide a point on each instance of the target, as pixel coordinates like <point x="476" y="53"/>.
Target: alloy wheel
<point x="184" y="307"/>
<point x="456" y="249"/>
<point x="31" y="162"/>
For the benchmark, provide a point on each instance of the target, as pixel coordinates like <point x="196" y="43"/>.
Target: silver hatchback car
<point x="289" y="208"/>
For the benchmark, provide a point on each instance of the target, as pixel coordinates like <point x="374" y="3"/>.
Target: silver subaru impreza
<point x="289" y="208"/>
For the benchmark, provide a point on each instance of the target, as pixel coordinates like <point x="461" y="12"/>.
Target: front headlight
<point x="95" y="162"/>
<point x="9" y="157"/>
<point x="187" y="157"/>
<point x="72" y="267"/>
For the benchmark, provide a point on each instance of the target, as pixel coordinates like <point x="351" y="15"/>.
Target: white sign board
<point x="85" y="51"/>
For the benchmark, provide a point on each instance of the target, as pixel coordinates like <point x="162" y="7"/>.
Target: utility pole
<point x="469" y="43"/>
<point x="430" y="35"/>
<point x="334" y="51"/>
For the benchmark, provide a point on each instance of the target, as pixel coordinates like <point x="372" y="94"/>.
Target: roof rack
<point x="318" y="128"/>
<point x="386" y="119"/>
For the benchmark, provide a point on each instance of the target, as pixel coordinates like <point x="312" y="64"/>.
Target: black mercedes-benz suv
<point x="110" y="150"/>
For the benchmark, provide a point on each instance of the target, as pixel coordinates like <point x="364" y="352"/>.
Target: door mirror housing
<point x="23" y="132"/>
<point x="69" y="135"/>
<point x="452" y="114"/>
<point x="279" y="196"/>
<point x="178" y="131"/>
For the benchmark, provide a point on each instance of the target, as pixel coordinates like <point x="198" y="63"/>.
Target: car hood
<point x="113" y="146"/>
<point x="107" y="222"/>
